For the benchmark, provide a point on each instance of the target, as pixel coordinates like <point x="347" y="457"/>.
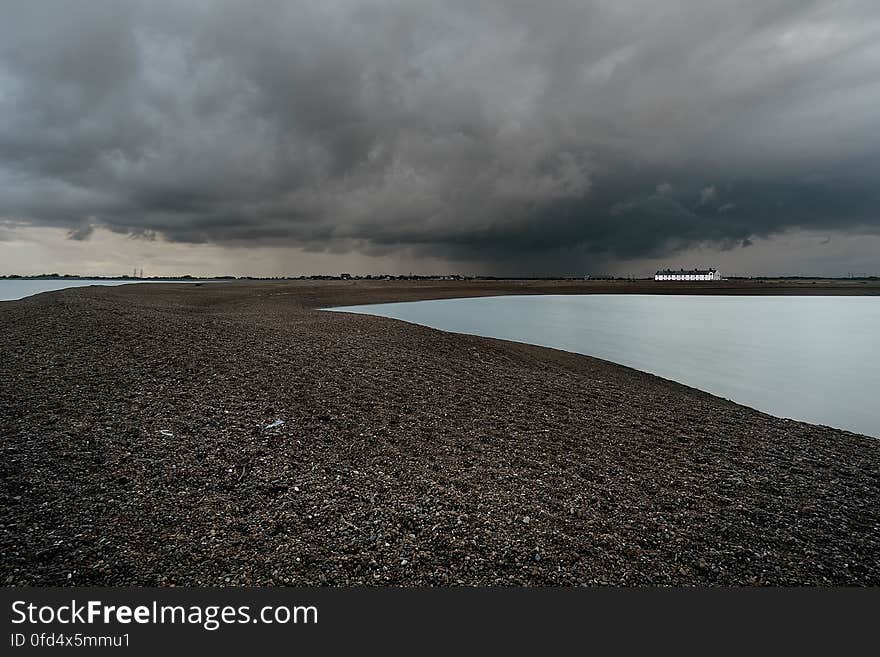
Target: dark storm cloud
<point x="508" y="133"/>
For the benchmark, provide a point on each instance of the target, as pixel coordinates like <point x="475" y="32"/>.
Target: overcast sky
<point x="495" y="136"/>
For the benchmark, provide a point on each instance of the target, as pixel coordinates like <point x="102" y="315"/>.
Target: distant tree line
<point x="408" y="277"/>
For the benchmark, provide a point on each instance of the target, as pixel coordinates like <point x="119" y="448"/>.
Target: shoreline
<point x="769" y="405"/>
<point x="368" y="292"/>
<point x="408" y="456"/>
<point x="353" y="292"/>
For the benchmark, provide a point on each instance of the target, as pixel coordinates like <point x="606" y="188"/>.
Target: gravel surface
<point x="231" y="434"/>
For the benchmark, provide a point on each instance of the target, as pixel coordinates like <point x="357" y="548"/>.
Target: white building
<point x="688" y="275"/>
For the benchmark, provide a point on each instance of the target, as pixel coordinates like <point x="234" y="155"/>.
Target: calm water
<point x="13" y="289"/>
<point x="815" y="359"/>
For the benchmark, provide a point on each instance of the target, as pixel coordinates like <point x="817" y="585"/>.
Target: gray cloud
<point x="514" y="134"/>
<point x="708" y="194"/>
<point x="81" y="233"/>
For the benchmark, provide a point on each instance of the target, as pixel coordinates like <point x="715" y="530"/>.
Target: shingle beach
<point x="235" y="434"/>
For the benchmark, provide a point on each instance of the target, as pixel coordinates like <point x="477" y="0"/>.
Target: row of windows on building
<point x="688" y="275"/>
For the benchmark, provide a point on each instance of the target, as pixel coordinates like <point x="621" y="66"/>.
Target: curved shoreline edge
<point x="138" y="451"/>
<point x="366" y="310"/>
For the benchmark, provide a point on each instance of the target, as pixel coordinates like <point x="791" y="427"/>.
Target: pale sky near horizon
<point x="486" y="137"/>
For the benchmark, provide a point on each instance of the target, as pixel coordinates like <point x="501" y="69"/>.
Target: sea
<point x="12" y="289"/>
<point x="809" y="358"/>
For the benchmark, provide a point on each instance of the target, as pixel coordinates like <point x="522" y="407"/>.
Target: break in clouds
<point x="507" y="133"/>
